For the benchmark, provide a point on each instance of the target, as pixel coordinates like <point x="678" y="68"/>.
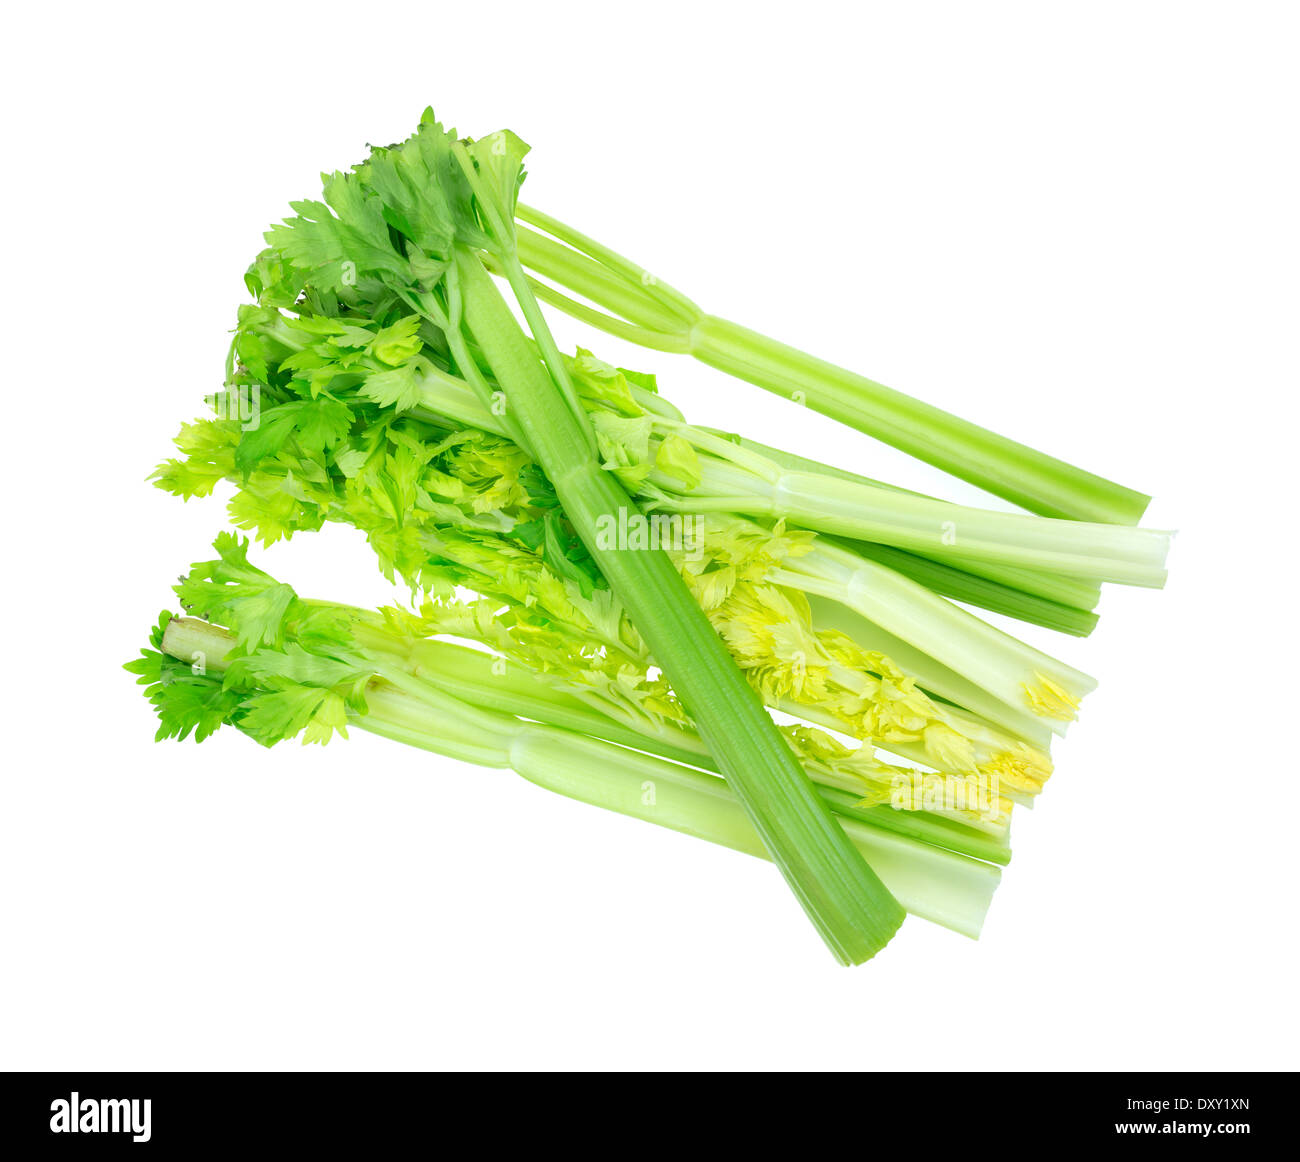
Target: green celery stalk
<point x="934" y="882"/>
<point x="511" y="688"/>
<point x="1044" y="598"/>
<point x="845" y="899"/>
<point x="1056" y="588"/>
<point x="1101" y="552"/>
<point x="959" y="585"/>
<point x="942" y="886"/>
<point x="647" y="311"/>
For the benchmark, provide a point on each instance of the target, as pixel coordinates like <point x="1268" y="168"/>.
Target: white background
<point x="1076" y="224"/>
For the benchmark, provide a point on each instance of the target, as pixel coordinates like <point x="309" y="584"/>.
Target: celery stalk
<point x="511" y="688"/>
<point x="934" y="882"/>
<point x="845" y="899"/>
<point x="645" y="310"/>
<point x="1102" y="552"/>
<point x="1017" y="675"/>
<point x="1011" y="584"/>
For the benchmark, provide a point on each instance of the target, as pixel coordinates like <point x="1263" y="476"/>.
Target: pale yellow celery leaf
<point x="676" y="457"/>
<point x="1020" y="768"/>
<point x="1050" y="700"/>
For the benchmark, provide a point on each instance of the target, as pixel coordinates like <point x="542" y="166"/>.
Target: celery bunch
<point x="637" y="589"/>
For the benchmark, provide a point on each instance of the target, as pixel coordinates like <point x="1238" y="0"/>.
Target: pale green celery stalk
<point x="511" y="688"/>
<point x="936" y="884"/>
<point x="647" y="311"/>
<point x="493" y="683"/>
<point x="836" y="503"/>
<point x="943" y="886"/>
<point x="845" y="899"/>
<point x="1016" y="674"/>
<point x="1030" y="595"/>
<point x="1129" y="556"/>
<point x="1056" y="588"/>
<point x="933" y="677"/>
<point x="446" y="397"/>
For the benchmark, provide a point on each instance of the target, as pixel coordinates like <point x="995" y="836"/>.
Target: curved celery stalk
<point x="932" y="882"/>
<point x="939" y="885"/>
<point x="647" y="311"/>
<point x="512" y="688"/>
<point x="942" y="886"/>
